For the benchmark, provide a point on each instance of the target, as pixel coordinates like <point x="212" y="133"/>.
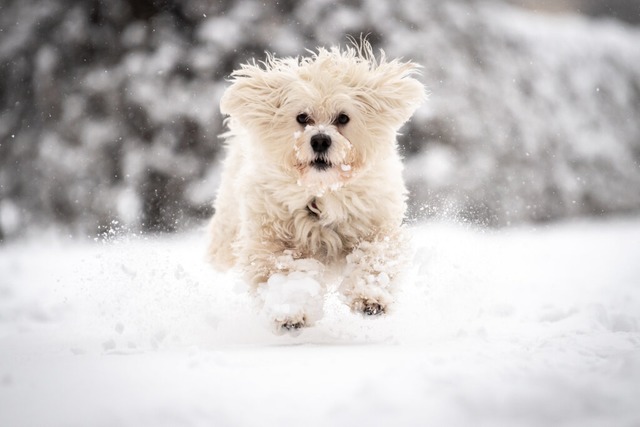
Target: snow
<point x="295" y="297"/>
<point x="520" y="326"/>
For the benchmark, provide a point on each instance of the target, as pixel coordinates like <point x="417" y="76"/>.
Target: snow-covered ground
<point x="511" y="327"/>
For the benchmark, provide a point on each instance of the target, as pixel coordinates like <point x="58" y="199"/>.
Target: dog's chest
<point x="313" y="209"/>
<point x="326" y="212"/>
<point x="328" y="227"/>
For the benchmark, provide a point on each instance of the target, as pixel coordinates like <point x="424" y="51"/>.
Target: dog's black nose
<point x="320" y="142"/>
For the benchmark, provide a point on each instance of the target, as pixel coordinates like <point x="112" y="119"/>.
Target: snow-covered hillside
<point x="517" y="327"/>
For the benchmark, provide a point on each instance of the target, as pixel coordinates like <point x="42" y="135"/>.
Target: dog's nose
<point x="320" y="142"/>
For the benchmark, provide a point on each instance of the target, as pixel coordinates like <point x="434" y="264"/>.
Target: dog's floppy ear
<point x="256" y="92"/>
<point x="393" y="92"/>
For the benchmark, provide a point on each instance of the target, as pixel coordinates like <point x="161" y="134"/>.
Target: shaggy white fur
<point x="313" y="172"/>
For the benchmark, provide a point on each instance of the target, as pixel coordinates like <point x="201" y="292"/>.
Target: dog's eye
<point x="302" y="118"/>
<point x="342" y="119"/>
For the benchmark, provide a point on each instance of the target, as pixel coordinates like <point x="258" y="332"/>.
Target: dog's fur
<point x="274" y="200"/>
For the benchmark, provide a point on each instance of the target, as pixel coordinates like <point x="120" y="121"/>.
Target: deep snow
<point x="512" y="327"/>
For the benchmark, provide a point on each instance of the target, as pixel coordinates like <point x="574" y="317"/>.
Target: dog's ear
<point x="393" y="92"/>
<point x="256" y="93"/>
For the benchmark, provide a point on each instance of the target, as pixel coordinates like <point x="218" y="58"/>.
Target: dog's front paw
<point x="292" y="301"/>
<point x="368" y="307"/>
<point x="291" y="325"/>
<point x="373" y="309"/>
<point x="367" y="294"/>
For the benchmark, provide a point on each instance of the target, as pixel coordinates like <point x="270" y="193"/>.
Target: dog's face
<point x="326" y="117"/>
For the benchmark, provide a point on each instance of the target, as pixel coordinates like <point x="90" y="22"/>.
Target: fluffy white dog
<point x="313" y="180"/>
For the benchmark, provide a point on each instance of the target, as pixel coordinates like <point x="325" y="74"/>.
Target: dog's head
<point x="324" y="117"/>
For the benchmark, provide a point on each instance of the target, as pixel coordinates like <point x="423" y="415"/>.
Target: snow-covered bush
<point x="110" y="108"/>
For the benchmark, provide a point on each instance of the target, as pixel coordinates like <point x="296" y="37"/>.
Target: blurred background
<point x="109" y="108"/>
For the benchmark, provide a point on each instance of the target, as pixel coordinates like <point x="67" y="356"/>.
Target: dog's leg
<point x="223" y="230"/>
<point x="225" y="224"/>
<point x="372" y="272"/>
<point x="289" y="290"/>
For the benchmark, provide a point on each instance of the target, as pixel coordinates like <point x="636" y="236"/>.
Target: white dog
<point x="313" y="180"/>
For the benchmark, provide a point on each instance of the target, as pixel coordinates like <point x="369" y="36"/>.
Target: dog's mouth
<point x="320" y="164"/>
